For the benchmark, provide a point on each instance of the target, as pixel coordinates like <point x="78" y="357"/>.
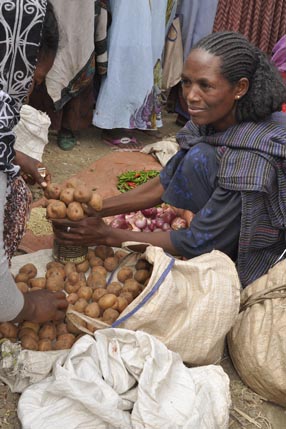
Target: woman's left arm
<point x="30" y="167"/>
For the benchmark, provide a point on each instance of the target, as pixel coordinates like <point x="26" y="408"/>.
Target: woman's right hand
<point x="43" y="306"/>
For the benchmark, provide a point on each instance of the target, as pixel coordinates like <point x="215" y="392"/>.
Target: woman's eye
<point x="185" y="82"/>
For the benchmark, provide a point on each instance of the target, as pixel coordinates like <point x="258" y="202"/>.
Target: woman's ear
<point x="241" y="87"/>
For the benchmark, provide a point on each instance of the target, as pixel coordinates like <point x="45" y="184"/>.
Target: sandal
<point x="124" y="143"/>
<point x="66" y="140"/>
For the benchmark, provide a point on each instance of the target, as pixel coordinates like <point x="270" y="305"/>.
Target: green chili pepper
<point x="134" y="178"/>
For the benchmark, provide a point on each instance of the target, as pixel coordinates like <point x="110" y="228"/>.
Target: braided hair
<point x="241" y="59"/>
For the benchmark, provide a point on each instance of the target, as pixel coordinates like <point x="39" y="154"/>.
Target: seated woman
<point x="230" y="169"/>
<point x="26" y="23"/>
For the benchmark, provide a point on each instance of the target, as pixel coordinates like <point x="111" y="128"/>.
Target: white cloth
<point x="127" y="380"/>
<point x="76" y="24"/>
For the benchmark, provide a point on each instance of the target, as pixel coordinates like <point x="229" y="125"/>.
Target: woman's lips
<point x="195" y="110"/>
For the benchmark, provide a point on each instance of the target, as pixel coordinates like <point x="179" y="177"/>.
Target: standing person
<point x="129" y="96"/>
<point x="67" y="94"/>
<point x="24" y="23"/>
<point x="230" y="170"/>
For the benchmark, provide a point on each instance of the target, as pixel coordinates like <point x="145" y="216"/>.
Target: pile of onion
<point x="154" y="219"/>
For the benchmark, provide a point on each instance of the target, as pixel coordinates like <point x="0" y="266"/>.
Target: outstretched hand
<point x="30" y="169"/>
<point x="90" y="231"/>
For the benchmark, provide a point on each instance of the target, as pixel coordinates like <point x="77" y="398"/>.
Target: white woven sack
<point x="188" y="305"/>
<point x="32" y="132"/>
<point x="257" y="341"/>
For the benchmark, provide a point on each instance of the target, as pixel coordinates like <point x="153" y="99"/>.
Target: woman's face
<point x="211" y="99"/>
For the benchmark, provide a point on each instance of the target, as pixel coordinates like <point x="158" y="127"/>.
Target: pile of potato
<point x="71" y="200"/>
<point x="88" y="291"/>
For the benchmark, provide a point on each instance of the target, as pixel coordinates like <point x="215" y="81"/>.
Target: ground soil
<point x="248" y="411"/>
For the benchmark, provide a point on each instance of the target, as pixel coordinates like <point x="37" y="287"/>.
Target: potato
<point x="32" y="325"/>
<point x="96" y="280"/>
<point x="91" y="327"/>
<point x="103" y="251"/>
<point x="29" y="269"/>
<point x="61" y="328"/>
<point x="98" y="293"/>
<point x="83" y="267"/>
<point x="82" y="279"/>
<point x="127" y="295"/>
<point x="95" y="201"/>
<point x="48" y="331"/>
<point x="63" y="343"/>
<point x="73" y="278"/>
<point x="22" y="278"/>
<point x="66" y="195"/>
<point x="75" y="211"/>
<point x="120" y="254"/>
<point x="80" y="305"/>
<point x="111" y="263"/>
<point x="55" y="283"/>
<point x="90" y="254"/>
<point x="131" y="285"/>
<point x="73" y="182"/>
<point x="56" y="272"/>
<point x="121" y="304"/>
<point x="29" y="343"/>
<point x="28" y="332"/>
<point x="38" y="282"/>
<point x="71" y="327"/>
<point x="107" y="301"/>
<point x="99" y="269"/>
<point x="95" y="261"/>
<point x="85" y="292"/>
<point x="124" y="274"/>
<point x="8" y="330"/>
<point x="69" y="267"/>
<point x="45" y="345"/>
<point x="23" y="287"/>
<point x="53" y="190"/>
<point x="82" y="194"/>
<point x="110" y="315"/>
<point x="71" y="289"/>
<point x="141" y="276"/>
<point x="54" y="265"/>
<point x="142" y="264"/>
<point x="72" y="297"/>
<point x="92" y="310"/>
<point x="57" y="210"/>
<point x="115" y="288"/>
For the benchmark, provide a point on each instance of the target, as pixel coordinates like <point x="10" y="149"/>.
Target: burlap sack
<point x="257" y="342"/>
<point x="188" y="305"/>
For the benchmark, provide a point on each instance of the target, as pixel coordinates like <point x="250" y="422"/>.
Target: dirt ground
<point x="248" y="411"/>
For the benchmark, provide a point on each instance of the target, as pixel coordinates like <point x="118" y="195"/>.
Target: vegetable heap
<point x="131" y="179"/>
<point x="154" y="219"/>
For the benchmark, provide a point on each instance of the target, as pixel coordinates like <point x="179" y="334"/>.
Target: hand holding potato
<point x="42" y="306"/>
<point x="86" y="232"/>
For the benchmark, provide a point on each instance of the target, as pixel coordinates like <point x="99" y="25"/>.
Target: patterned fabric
<point x="20" y="30"/>
<point x="253" y="162"/>
<point x="263" y="22"/>
<point x="16" y="215"/>
<point x="279" y="54"/>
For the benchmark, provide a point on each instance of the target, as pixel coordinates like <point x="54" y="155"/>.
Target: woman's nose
<point x="190" y="93"/>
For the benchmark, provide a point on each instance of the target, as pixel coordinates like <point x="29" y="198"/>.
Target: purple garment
<point x="279" y="54"/>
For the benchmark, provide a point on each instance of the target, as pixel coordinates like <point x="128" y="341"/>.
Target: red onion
<point x="150" y="213"/>
<point x="140" y="221"/>
<point x="159" y="222"/>
<point x="119" y="223"/>
<point x="178" y="223"/>
<point x="166" y="226"/>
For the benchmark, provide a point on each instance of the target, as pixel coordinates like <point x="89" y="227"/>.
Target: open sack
<point x="126" y="380"/>
<point x="257" y="342"/>
<point x="188" y="305"/>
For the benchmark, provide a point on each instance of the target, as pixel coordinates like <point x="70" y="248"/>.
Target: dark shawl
<point x="253" y="162"/>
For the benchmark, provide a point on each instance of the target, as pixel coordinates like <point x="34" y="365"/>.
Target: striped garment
<point x="252" y="161"/>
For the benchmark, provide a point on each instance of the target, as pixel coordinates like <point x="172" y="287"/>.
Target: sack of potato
<point x="188" y="305"/>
